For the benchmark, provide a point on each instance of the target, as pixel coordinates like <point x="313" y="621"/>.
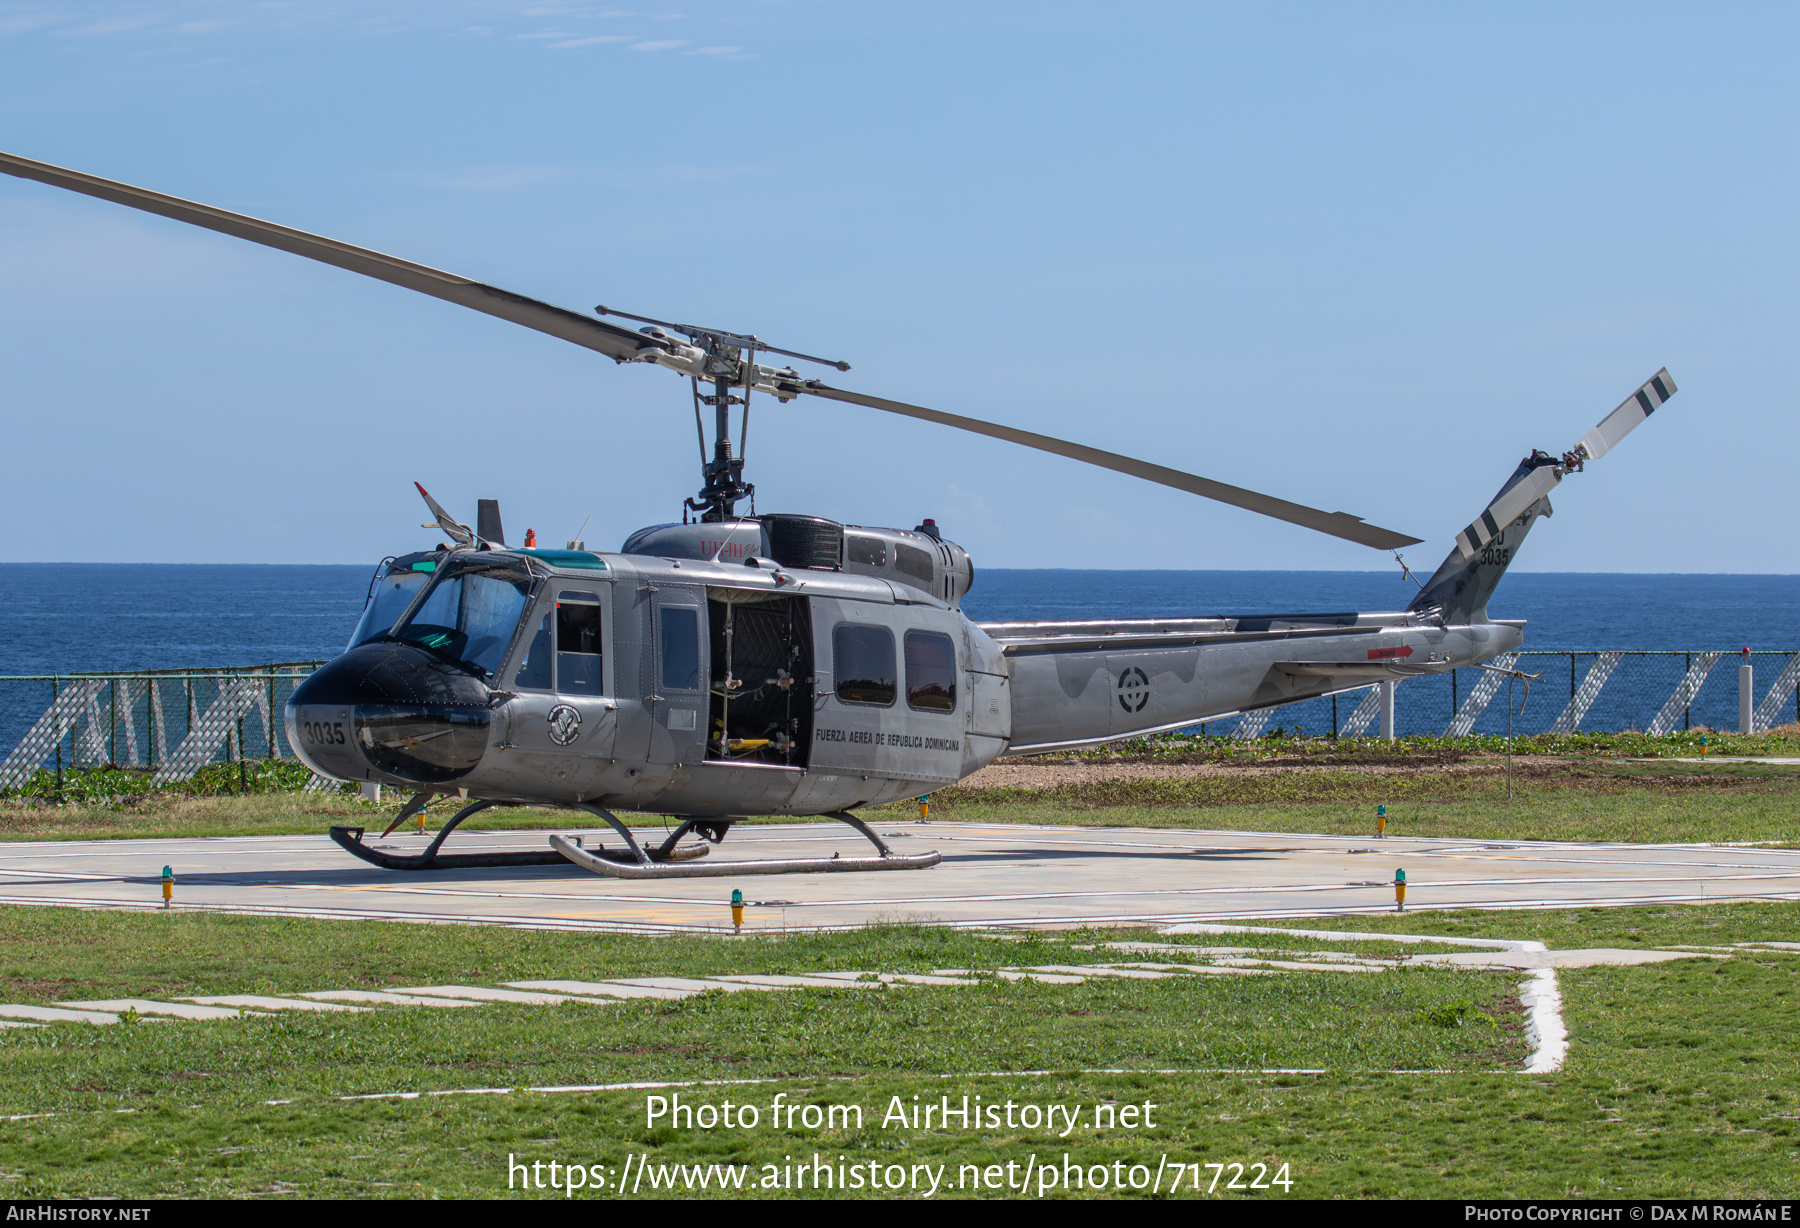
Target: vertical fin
<point x="487" y="522"/>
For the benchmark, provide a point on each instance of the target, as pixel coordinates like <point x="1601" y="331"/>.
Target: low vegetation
<point x="1679" y="1083"/>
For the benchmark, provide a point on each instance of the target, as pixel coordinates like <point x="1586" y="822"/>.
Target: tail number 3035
<point x="322" y="733"/>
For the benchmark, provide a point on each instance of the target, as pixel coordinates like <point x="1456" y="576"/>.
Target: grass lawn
<point x="1682" y="1079"/>
<point x="1585" y="799"/>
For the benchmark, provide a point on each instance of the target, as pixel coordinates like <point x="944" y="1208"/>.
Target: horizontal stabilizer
<point x="1625" y="419"/>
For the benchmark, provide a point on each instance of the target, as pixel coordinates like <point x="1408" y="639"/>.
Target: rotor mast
<point x="722" y="476"/>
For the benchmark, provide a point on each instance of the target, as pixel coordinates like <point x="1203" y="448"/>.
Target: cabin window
<point x="680" y="631"/>
<point x="930" y="672"/>
<point x="578" y="652"/>
<point x="863" y="658"/>
<point x="866" y="551"/>
<point x="914" y="562"/>
<point x="533" y="673"/>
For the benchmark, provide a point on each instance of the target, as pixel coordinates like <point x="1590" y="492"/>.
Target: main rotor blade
<point x="1337" y="524"/>
<point x="609" y="339"/>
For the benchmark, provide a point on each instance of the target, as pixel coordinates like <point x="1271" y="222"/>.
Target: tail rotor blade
<point x="1628" y="417"/>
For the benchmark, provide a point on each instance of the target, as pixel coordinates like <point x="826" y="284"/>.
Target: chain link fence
<point x="172" y="723"/>
<point x="1597" y="691"/>
<point x="169" y="723"/>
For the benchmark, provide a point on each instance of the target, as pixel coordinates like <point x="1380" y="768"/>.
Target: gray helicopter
<point x="731" y="665"/>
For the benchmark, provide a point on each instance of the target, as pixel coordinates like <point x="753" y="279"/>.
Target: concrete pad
<point x="1173" y="948"/>
<point x="55" y="1014"/>
<point x="689" y="984"/>
<point x="1296" y="965"/>
<point x="252" y="1001"/>
<point x="144" y="1006"/>
<point x="604" y="989"/>
<point x="798" y="982"/>
<point x="480" y="993"/>
<point x="1088" y="970"/>
<point x="377" y="998"/>
<point x="1202" y="969"/>
<point x="1012" y="974"/>
<point x="1596" y="956"/>
<point x="994" y="877"/>
<point x="899" y="978"/>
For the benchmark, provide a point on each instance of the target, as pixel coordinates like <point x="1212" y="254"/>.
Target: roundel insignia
<point x="1134" y="689"/>
<point x="565" y="724"/>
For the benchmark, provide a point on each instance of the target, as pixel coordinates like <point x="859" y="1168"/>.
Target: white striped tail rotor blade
<point x="1626" y="419"/>
<point x="1512" y="504"/>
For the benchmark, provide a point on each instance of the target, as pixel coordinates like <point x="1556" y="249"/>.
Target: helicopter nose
<point x="394" y="709"/>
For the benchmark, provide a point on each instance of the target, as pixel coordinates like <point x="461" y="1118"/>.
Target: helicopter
<point x="783" y="664"/>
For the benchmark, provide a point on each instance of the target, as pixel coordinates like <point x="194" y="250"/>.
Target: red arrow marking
<point x="1382" y="654"/>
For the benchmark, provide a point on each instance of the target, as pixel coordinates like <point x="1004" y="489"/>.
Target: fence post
<point x="272" y="717"/>
<point x="55" y="694"/>
<point x="1746" y="694"/>
<point x="1387" y="711"/>
<point x="1334" y="720"/>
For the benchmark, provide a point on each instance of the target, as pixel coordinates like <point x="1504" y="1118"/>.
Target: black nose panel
<point x="391" y="673"/>
<point x="412" y="716"/>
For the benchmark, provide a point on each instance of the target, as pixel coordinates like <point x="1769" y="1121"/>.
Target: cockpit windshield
<point x="469" y="616"/>
<point x="393" y="593"/>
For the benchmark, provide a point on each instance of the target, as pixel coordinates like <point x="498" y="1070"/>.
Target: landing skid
<point x="350" y="839"/>
<point x="644" y="865"/>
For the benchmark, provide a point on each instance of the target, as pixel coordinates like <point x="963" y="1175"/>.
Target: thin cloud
<point x="715" y="51"/>
<point x="660" y="44"/>
<point x="24" y="23"/>
<point x="594" y="41"/>
<point x="113" y="25"/>
<point x="514" y="178"/>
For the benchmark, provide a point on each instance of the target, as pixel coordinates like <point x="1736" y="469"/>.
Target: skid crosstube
<point x="643" y="867"/>
<point x="350" y="839"/>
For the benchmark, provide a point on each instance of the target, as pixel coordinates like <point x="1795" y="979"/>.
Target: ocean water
<point x="70" y="617"/>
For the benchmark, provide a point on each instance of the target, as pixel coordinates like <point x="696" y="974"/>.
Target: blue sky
<point x="1362" y="257"/>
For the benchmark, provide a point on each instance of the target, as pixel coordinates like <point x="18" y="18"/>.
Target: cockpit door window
<point x="578" y="643"/>
<point x="533" y="673"/>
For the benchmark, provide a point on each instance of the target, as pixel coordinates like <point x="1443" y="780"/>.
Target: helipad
<point x="991" y="876"/>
